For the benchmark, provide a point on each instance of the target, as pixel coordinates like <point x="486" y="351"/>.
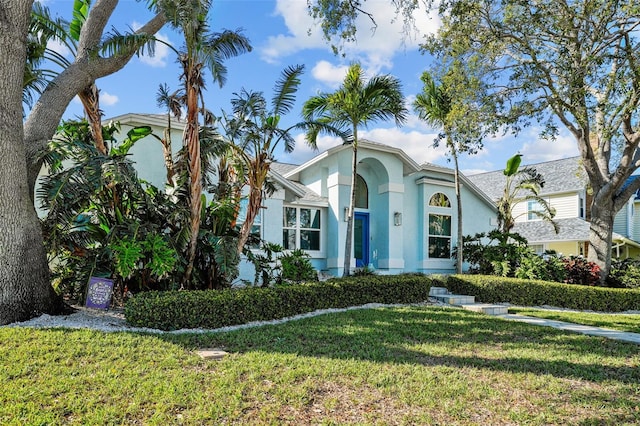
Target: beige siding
<point x="566" y="206"/>
<point x="567" y="248"/>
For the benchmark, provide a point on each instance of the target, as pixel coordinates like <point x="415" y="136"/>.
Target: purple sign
<point x="99" y="293"/>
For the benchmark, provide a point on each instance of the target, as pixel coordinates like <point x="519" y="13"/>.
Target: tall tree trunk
<point x="25" y="290"/>
<point x="352" y="202"/>
<point x="459" y="253"/>
<point x="257" y="176"/>
<point x="167" y="153"/>
<point x="600" y="235"/>
<point x="90" y="98"/>
<point x="192" y="141"/>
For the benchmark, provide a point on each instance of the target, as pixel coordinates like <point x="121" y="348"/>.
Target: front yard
<point x="412" y="365"/>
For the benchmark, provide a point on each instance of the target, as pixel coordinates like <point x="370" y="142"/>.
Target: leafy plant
<point x="624" y="273"/>
<point x="297" y="267"/>
<point x="495" y="253"/>
<point x="581" y="271"/>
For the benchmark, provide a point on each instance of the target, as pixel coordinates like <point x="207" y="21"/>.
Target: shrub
<point x="624" y="274"/>
<point x="297" y="267"/>
<point x="491" y="289"/>
<point x="581" y="271"/>
<point x="546" y="268"/>
<point x="173" y="310"/>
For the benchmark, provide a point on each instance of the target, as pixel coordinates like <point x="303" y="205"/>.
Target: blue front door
<point x="361" y="239"/>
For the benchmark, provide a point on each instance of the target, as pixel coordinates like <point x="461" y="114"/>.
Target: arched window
<point x="362" y="193"/>
<point x="439" y="200"/>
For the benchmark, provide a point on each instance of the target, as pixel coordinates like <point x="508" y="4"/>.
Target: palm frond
<point x="118" y="43"/>
<point x="285" y="90"/>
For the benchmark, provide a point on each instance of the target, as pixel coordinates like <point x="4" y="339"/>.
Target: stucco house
<point x="566" y="190"/>
<point x="405" y="215"/>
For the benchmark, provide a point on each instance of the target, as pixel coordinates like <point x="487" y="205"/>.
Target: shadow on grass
<point x="436" y="337"/>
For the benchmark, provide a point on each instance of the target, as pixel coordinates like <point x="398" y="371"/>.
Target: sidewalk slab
<point x="578" y="328"/>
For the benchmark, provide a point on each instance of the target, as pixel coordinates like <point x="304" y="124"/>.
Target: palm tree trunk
<point x="257" y="176"/>
<point x="90" y="97"/>
<point x="459" y="254"/>
<point x="167" y="152"/>
<point x="192" y="141"/>
<point x="352" y="202"/>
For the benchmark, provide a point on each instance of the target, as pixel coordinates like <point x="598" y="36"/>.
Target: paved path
<point x="584" y="329"/>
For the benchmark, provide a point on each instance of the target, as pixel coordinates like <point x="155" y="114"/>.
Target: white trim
<point x="425" y="180"/>
<point x="338" y="179"/>
<point x="437" y="264"/>
<point x="391" y="187"/>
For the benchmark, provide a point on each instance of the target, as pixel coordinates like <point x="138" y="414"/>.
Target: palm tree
<point x="254" y="132"/>
<point x="355" y="103"/>
<point x="173" y="103"/>
<point x="202" y="49"/>
<point x="433" y="106"/>
<point x="522" y="185"/>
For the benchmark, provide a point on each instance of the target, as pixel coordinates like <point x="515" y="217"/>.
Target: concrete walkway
<point x="584" y="329"/>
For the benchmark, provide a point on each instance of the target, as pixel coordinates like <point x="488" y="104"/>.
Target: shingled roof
<point x="560" y="176"/>
<point x="570" y="229"/>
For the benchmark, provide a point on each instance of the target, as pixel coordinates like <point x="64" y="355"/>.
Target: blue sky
<point x="282" y="34"/>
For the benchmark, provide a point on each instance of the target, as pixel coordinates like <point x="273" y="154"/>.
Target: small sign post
<point x="99" y="293"/>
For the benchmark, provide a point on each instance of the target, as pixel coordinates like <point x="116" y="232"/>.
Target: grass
<point x="413" y="365"/>
<point x="623" y="322"/>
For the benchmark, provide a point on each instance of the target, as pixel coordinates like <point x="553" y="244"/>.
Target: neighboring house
<point x="565" y="190"/>
<point x="405" y="215"/>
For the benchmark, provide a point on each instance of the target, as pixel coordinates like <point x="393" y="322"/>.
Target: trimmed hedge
<point x="172" y="310"/>
<point x="491" y="289"/>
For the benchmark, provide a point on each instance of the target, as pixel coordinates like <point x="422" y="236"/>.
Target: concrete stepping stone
<point x="215" y="354"/>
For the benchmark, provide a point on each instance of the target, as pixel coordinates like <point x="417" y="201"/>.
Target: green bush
<point x="492" y="289"/>
<point x="624" y="273"/>
<point x="172" y="310"/>
<point x="297" y="267"/>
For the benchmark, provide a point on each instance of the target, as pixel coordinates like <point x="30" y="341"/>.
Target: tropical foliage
<point x="522" y="185"/>
<point x="101" y="220"/>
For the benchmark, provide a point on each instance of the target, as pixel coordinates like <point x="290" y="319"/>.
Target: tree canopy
<point x="565" y="64"/>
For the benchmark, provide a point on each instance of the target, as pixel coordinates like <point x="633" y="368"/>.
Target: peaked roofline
<point x="364" y="143"/>
<point x="159" y="120"/>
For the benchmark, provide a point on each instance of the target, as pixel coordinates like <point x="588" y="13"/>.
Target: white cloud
<point x="545" y="150"/>
<point x="159" y="58"/>
<point x="107" y="99"/>
<point x="374" y="47"/>
<point x="417" y="145"/>
<point x="329" y="74"/>
<point x="59" y="48"/>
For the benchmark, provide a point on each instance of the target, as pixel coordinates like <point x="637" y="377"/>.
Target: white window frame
<point x="298" y="229"/>
<point x="530" y="216"/>
<point x="429" y="235"/>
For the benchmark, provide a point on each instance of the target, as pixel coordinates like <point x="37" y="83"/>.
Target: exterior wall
<point x="147" y="154"/>
<point x="477" y="217"/>
<point x="636" y="221"/>
<point x="566" y="248"/>
<point x="620" y="223"/>
<point x="566" y="205"/>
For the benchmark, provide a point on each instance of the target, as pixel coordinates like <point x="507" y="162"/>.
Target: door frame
<point x="365" y="235"/>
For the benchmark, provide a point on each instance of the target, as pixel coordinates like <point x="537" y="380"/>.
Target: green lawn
<point x="623" y="322"/>
<point x="414" y="365"/>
